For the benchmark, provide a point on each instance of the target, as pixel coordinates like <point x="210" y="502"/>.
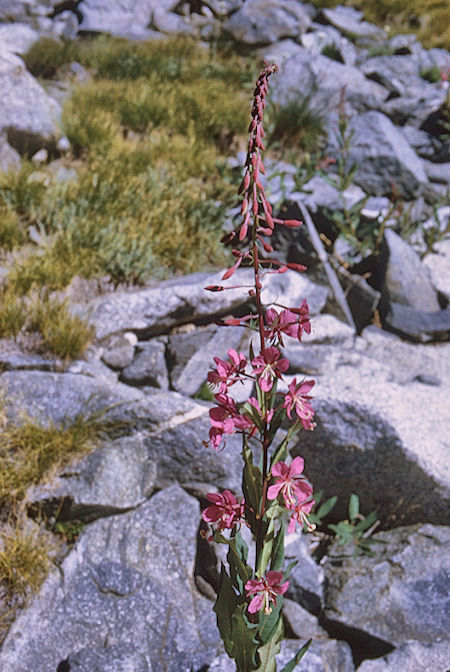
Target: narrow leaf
<point x="353" y="507"/>
<point x="326" y="507"/>
<point x="245" y="642"/>
<point x="297" y="658"/>
<point x="268" y="652"/>
<point x="277" y="557"/>
<point x="269" y="624"/>
<point x="224" y="607"/>
<point x="266" y="551"/>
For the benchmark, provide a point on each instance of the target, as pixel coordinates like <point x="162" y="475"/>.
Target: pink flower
<point x="300" y="515"/>
<point x="227" y="373"/>
<point x="226" y="511"/>
<point x="298" y="399"/>
<point x="304" y="325"/>
<point x="265" y="590"/>
<point x="290" y="482"/>
<point x="278" y="324"/>
<point x="267" y="366"/>
<point x="225" y="419"/>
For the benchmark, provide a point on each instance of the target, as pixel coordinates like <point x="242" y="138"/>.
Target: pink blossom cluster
<point x="295" y="490"/>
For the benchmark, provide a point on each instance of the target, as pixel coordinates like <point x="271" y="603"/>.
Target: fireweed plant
<point x="249" y="601"/>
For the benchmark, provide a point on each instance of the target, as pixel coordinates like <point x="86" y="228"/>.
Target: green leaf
<point x="237" y="557"/>
<point x="289" y="569"/>
<point x="268" y="652"/>
<point x="364" y="524"/>
<point x="251" y="480"/>
<point x="280" y="452"/>
<point x="297" y="658"/>
<point x="276" y="424"/>
<point x="266" y="550"/>
<point x="224" y="608"/>
<point x="326" y="507"/>
<point x="277" y="556"/>
<point x="269" y="623"/>
<point x="244" y="640"/>
<point x="353" y="507"/>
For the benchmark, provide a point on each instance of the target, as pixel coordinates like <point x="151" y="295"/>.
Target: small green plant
<point x="295" y="124"/>
<point x="68" y="531"/>
<point x="332" y="51"/>
<point x="355" y="532"/>
<point x="432" y="74"/>
<point x="45" y="56"/>
<point x="321" y="511"/>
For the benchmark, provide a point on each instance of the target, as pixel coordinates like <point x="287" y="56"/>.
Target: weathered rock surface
<point x="349" y="20"/>
<point x="377" y="414"/>
<point x="266" y="21"/>
<point x="412" y="657"/>
<point x="406" y="280"/>
<point x="122" y="587"/>
<point x="438" y="265"/>
<point x="155" y="310"/>
<point x="319" y="81"/>
<point x="407" y="580"/>
<point x="323" y="655"/>
<point x="29" y="116"/>
<point x="383" y="157"/>
<point x="124" y="18"/>
<point x="60" y="398"/>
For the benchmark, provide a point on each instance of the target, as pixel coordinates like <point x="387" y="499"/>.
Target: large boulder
<point x="381" y="411"/>
<point x="348" y="21"/>
<point x="157" y="309"/>
<point x="319" y="81"/>
<point x="126" y="589"/>
<point x="266" y="21"/>
<point x="412" y="657"/>
<point x="406" y="280"/>
<point x="124" y="18"/>
<point x="397" y="596"/>
<point x="383" y="158"/>
<point x="29" y="118"/>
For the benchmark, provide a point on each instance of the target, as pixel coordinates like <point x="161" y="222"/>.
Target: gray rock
<point x="170" y="23"/>
<point x="60" y="398"/>
<point x="128" y="583"/>
<point x="380" y="430"/>
<point x="18" y="37"/>
<point x="18" y="361"/>
<point x="409" y="581"/>
<point x="319" y="81"/>
<point x="348" y="20"/>
<point x="113" y="478"/>
<point x="383" y="156"/>
<point x="320" y="36"/>
<point x="223" y="8"/>
<point x="266" y="21"/>
<point x="181" y="456"/>
<point x="396" y="73"/>
<point x="323" y="655"/>
<point x="111" y="659"/>
<point x="124" y="18"/>
<point x="422" y="143"/>
<point x="29" y="116"/>
<point x="438" y="172"/>
<point x="148" y="366"/>
<point x="303" y="624"/>
<point x="417" y="103"/>
<point x="193" y="355"/>
<point x="307" y="579"/>
<point x="119" y="351"/>
<point x="406" y="279"/>
<point x="412" y="657"/>
<point x="416" y="325"/>
<point x="156" y="310"/>
<point x="438" y="265"/>
<point x="9" y="158"/>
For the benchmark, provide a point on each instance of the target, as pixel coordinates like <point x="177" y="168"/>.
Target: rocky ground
<point x="134" y="593"/>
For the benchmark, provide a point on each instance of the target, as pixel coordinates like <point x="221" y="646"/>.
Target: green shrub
<point x="295" y="124"/>
<point x="45" y="56"/>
